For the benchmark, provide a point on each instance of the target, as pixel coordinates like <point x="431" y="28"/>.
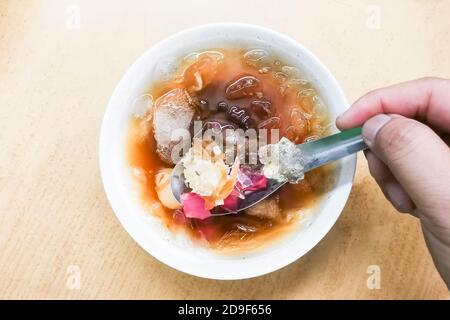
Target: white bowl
<point x="176" y="250"/>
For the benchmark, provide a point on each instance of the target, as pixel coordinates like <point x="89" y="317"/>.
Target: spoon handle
<point x="322" y="151"/>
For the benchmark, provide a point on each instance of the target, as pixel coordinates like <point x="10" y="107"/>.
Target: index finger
<point x="426" y="100"/>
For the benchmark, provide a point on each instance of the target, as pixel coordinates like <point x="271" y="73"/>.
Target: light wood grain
<point x="55" y="82"/>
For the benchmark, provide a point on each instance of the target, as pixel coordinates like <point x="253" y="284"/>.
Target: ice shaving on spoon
<point x="282" y="161"/>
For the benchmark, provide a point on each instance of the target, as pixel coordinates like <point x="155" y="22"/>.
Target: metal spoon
<point x="315" y="154"/>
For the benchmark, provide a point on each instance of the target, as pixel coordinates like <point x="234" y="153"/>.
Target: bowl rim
<point x="131" y="229"/>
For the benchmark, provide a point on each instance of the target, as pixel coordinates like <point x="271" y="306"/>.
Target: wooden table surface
<point x="59" y="63"/>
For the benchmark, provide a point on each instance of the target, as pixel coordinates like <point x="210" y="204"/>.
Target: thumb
<point x="417" y="157"/>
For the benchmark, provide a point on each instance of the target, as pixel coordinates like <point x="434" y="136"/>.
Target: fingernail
<point x="341" y="116"/>
<point x="373" y="126"/>
<point x="339" y="122"/>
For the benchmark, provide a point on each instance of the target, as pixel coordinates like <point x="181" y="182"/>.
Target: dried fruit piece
<point x="250" y="180"/>
<point x="266" y="209"/>
<point x="261" y="108"/>
<point x="218" y="125"/>
<point x="257" y="57"/>
<point x="281" y="76"/>
<point x="294" y="134"/>
<point x="271" y="123"/>
<point x="222" y="106"/>
<point x="294" y="76"/>
<point x="306" y="93"/>
<point x="194" y="206"/>
<point x="206" y="229"/>
<point x="243" y="87"/>
<point x="190" y="58"/>
<point x="231" y="203"/>
<point x="217" y="55"/>
<point x="240" y="116"/>
<point x="199" y="74"/>
<point x="300" y="120"/>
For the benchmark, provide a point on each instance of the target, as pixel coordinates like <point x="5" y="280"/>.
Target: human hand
<point x="407" y="128"/>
